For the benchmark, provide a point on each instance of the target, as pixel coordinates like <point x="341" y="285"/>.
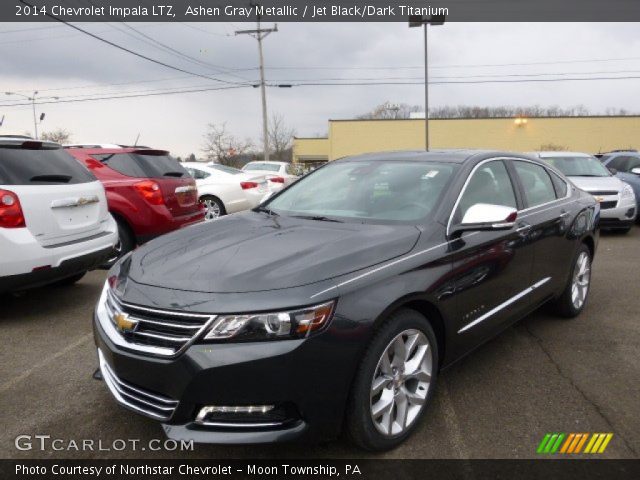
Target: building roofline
<point x="475" y="118"/>
<point x="311" y="138"/>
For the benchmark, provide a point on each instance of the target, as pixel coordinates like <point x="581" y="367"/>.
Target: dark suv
<point x="149" y="193"/>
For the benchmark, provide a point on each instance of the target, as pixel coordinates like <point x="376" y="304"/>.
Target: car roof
<point x="443" y="155"/>
<point x="19" y="140"/>
<point x="270" y="162"/>
<point x="547" y="154"/>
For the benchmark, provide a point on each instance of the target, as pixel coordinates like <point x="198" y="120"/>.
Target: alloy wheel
<point x="581" y="279"/>
<point x="401" y="382"/>
<point x="212" y="209"/>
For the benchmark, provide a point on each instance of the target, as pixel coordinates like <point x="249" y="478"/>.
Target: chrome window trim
<point x="493" y="159"/>
<point x="504" y="304"/>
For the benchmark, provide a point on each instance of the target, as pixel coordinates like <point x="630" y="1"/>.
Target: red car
<point x="149" y="193"/>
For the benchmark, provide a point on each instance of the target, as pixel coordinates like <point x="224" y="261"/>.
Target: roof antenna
<point x="135" y="144"/>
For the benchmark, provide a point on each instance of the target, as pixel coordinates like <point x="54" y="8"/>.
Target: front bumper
<point x="622" y="216"/>
<point x="306" y="376"/>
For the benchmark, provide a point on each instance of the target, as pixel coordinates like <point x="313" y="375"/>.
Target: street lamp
<point x="418" y="21"/>
<point x="32" y="99"/>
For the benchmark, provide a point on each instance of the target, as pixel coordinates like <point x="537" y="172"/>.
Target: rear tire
<point x="394" y="383"/>
<point x="574" y="296"/>
<point x="214" y="207"/>
<point x="126" y="243"/>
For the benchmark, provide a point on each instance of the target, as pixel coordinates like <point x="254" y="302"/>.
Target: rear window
<point x="143" y="165"/>
<point x="271" y="167"/>
<point x="44" y="166"/>
<point x="224" y="168"/>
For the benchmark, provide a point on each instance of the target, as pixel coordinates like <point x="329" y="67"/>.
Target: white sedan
<point x="225" y="190"/>
<point x="280" y="174"/>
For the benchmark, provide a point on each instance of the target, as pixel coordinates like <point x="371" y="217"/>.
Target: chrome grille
<point x="142" y="401"/>
<point x="162" y="332"/>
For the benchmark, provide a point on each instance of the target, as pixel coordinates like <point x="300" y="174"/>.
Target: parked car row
<point x="619" y="204"/>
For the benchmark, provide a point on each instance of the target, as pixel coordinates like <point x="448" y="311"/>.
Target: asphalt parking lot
<point x="543" y="375"/>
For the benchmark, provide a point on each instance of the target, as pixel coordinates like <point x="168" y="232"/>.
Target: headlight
<point x="627" y="191"/>
<point x="271" y="326"/>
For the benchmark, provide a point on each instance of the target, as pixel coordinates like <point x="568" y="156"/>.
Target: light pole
<point x="32" y="99"/>
<point x="418" y="21"/>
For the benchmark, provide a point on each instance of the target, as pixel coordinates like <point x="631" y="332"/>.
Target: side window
<point x="198" y="174"/>
<point x="634" y="163"/>
<point x="620" y="163"/>
<point x="538" y="188"/>
<point x="559" y="184"/>
<point x="489" y="184"/>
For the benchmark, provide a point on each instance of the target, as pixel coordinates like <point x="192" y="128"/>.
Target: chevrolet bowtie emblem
<point x="123" y="323"/>
<point x="599" y="199"/>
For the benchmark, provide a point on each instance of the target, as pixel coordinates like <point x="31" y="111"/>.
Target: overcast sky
<point x="59" y="61"/>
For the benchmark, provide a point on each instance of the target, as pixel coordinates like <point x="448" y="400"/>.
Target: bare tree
<point x="391" y="111"/>
<point x="280" y="138"/>
<point x="222" y="147"/>
<point x="59" y="135"/>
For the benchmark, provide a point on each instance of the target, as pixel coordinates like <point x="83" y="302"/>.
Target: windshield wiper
<point x="266" y="210"/>
<point x="319" y="218"/>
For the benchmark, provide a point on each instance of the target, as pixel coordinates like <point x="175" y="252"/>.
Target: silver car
<point x="618" y="208"/>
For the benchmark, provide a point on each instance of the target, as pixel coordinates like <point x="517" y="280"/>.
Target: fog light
<point x="631" y="212"/>
<point x="247" y="415"/>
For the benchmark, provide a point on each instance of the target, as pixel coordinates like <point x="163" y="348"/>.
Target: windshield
<point x="396" y="191"/>
<point x="579" y="166"/>
<point x="271" y="167"/>
<point x="224" y="168"/>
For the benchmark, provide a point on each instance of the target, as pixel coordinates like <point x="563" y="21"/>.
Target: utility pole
<point x="259" y="34"/>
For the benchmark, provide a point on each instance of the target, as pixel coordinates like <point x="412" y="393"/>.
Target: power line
<point x="470" y="82"/>
<point x="124" y="49"/>
<point x="116" y="97"/>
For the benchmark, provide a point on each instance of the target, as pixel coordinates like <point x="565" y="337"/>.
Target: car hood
<point x="595" y="184"/>
<point x="250" y="252"/>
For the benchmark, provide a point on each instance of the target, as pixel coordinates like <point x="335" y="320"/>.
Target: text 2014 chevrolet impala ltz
<point x="336" y="303"/>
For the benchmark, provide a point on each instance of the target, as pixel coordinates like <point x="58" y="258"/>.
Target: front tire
<point x="394" y="383"/>
<point x="574" y="297"/>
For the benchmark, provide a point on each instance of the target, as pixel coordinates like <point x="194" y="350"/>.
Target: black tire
<point x="564" y="305"/>
<point x="71" y="280"/>
<point x="214" y="201"/>
<point x="360" y="425"/>
<point x="126" y="243"/>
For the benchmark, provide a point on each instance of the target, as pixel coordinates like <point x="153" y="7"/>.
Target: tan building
<point x="582" y="134"/>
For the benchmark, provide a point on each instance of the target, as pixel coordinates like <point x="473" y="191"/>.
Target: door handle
<point x="564" y="214"/>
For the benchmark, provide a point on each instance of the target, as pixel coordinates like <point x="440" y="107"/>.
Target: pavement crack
<point x="576" y="387"/>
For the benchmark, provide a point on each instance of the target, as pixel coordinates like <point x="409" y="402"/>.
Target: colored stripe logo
<point x="574" y="443"/>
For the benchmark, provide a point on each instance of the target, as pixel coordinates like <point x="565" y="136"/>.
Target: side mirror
<point x="636" y="171"/>
<point x="612" y="170"/>
<point x="485" y="216"/>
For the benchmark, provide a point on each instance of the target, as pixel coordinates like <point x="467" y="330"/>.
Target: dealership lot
<point x="543" y="375"/>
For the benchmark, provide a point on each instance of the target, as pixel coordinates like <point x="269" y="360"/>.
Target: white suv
<point x="54" y="221"/>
